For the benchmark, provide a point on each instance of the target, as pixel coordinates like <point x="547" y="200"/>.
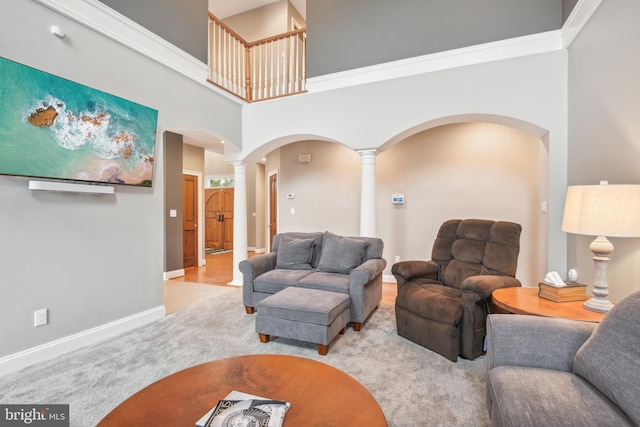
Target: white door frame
<point x="268" y="198"/>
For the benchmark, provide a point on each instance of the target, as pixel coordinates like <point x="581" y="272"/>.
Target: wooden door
<point x="219" y="218"/>
<point x="227" y="217"/>
<point x="212" y="230"/>
<point x="189" y="221"/>
<point x="273" y="207"/>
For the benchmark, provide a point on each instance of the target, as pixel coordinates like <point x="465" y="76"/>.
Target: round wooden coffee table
<point x="526" y="301"/>
<point x="319" y="394"/>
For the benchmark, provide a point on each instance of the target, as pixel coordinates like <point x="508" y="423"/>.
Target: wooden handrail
<point x="264" y="69"/>
<point x="278" y="37"/>
<point x="228" y="29"/>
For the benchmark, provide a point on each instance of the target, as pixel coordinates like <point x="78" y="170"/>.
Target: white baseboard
<point x="172" y="274"/>
<point x="389" y="278"/>
<point x="260" y="250"/>
<point x="15" y="362"/>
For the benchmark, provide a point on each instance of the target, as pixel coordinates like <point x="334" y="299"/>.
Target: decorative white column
<point x="368" y="194"/>
<point x="239" y="220"/>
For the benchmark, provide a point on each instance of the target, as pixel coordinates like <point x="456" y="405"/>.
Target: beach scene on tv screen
<point x="51" y="127"/>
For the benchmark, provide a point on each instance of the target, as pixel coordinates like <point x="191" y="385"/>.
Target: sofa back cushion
<point x="294" y="254"/>
<point x="470" y="247"/>
<point x="317" y="243"/>
<point x="374" y="248"/>
<point x="341" y="254"/>
<point x="610" y="358"/>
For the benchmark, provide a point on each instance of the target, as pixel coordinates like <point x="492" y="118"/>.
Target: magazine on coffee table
<point x="239" y="409"/>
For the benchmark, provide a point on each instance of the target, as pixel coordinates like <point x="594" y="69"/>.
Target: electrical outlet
<point x="40" y="317"/>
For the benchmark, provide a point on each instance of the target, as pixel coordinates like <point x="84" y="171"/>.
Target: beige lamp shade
<point x="603" y="210"/>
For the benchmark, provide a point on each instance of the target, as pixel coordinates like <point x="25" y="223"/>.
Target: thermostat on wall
<point x="397" y="199"/>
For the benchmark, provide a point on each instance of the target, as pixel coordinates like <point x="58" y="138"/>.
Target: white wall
<point x="260" y="23"/>
<point x="326" y="191"/>
<point x="604" y="130"/>
<point x="527" y="92"/>
<point x="89" y="260"/>
<point x="215" y="164"/>
<point x="469" y="170"/>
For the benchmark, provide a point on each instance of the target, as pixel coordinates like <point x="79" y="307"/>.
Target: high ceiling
<point x="225" y="8"/>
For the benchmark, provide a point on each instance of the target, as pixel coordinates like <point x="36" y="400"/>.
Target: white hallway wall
<point x="528" y="92"/>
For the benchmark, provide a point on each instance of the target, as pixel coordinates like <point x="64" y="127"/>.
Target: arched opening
<point x="464" y="170"/>
<point x="468" y="166"/>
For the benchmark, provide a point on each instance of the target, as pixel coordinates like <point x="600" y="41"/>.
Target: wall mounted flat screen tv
<point x="51" y="127"/>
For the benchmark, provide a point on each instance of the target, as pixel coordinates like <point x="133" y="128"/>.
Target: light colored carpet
<point x="413" y="386"/>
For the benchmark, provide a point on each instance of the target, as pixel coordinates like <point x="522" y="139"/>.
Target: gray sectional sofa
<point x="324" y="261"/>
<point x="555" y="372"/>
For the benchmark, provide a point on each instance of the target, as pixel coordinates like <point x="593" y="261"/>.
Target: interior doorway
<point x="219" y="218"/>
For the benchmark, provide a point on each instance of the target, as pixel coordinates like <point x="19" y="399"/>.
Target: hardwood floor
<point x="219" y="272"/>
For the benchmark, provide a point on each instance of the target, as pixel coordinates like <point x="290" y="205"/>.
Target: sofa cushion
<point x="431" y="301"/>
<point x="317" y="237"/>
<point x="333" y="282"/>
<point x="610" y="358"/>
<point x="341" y="254"/>
<point x="571" y="401"/>
<point x="295" y="254"/>
<point x="276" y="280"/>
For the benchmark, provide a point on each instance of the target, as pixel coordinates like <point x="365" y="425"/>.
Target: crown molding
<point x="106" y="21"/>
<point x="578" y="18"/>
<point x="504" y="49"/>
<point x="116" y="26"/>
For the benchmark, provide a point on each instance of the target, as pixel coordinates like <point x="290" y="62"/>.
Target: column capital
<point x="368" y="152"/>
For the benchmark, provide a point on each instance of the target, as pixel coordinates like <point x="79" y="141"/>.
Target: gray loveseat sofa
<point x="556" y="372"/>
<point x="324" y="261"/>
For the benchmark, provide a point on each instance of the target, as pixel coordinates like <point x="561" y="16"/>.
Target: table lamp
<point x="602" y="210"/>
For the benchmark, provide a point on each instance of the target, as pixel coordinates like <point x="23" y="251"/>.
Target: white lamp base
<point x="601" y="306"/>
<point x="601" y="248"/>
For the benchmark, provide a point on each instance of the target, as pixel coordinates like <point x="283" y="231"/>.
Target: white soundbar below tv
<point x="71" y="187"/>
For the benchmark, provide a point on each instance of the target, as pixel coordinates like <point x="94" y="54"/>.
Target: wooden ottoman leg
<point x="264" y="337"/>
<point x="323" y="349"/>
<point x="249" y="310"/>
<point x="343" y="331"/>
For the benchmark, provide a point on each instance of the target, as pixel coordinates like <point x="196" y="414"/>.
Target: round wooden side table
<point x="526" y="301"/>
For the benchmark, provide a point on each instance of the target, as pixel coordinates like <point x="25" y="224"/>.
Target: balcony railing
<point x="260" y="70"/>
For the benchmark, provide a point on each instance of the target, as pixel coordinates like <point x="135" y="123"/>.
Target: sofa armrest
<point x="366" y="272"/>
<point x="484" y="285"/>
<point x="534" y="341"/>
<point x="405" y="271"/>
<point x="250" y="269"/>
<point x="254" y="267"/>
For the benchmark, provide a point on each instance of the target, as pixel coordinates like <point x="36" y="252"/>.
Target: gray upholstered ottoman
<point x="303" y="314"/>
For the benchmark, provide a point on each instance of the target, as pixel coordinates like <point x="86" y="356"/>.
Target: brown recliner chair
<point x="442" y="304"/>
